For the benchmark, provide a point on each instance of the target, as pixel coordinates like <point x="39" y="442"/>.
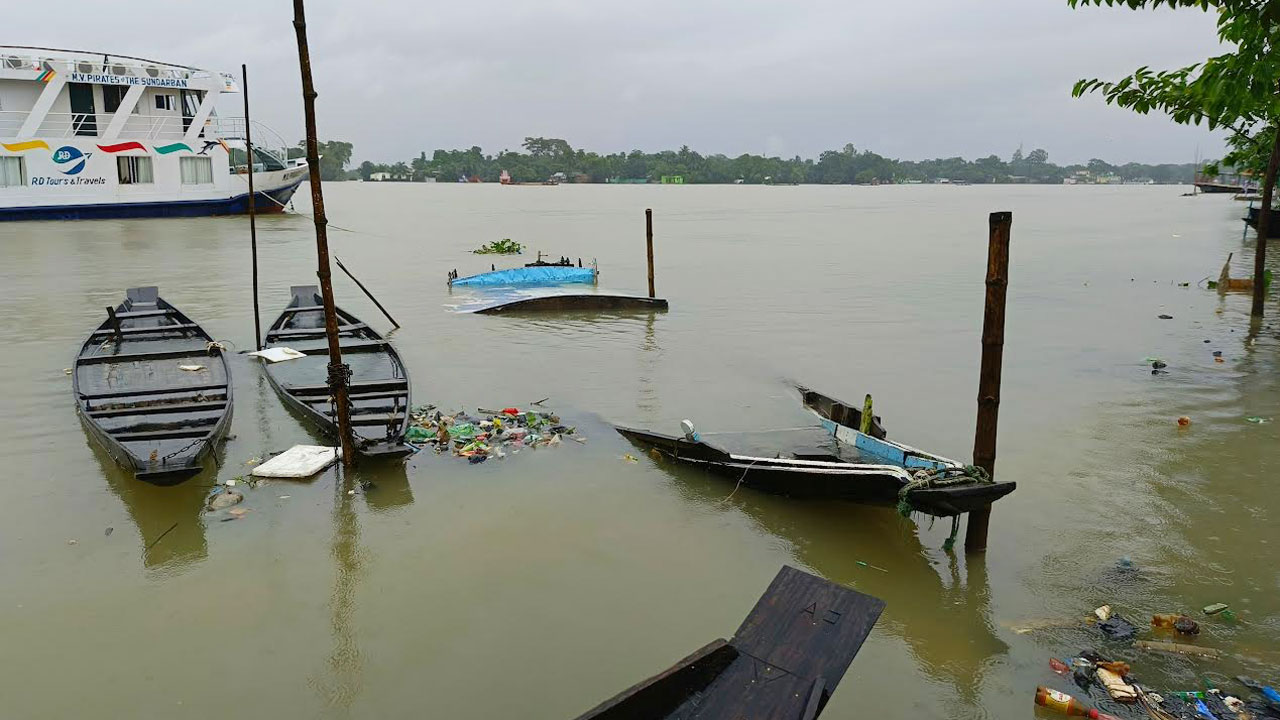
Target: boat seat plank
<point x="177" y="327"/>
<point x="354" y="389"/>
<point x="152" y="391"/>
<point x="303" y="332"/>
<point x="210" y="406"/>
<point x="301" y="308"/>
<point x="142" y="356"/>
<point x="348" y="346"/>
<point x="128" y="314"/>
<point x="194" y="432"/>
<point x="377" y="421"/>
<point x="358" y="397"/>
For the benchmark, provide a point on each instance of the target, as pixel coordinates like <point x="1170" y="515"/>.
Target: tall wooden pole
<point x="1264" y="229"/>
<point x="984" y="435"/>
<point x="339" y="373"/>
<point x="253" y="219"/>
<point x="648" y="237"/>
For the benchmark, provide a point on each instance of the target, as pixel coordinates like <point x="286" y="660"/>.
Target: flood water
<point x="539" y="585"/>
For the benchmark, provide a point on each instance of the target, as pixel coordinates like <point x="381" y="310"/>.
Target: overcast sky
<point x="907" y="78"/>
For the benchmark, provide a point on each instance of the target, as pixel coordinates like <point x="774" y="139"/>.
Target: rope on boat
<point x="924" y="479"/>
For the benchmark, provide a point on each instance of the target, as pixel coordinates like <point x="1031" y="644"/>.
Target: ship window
<point x="196" y="170"/>
<point x="112" y="96"/>
<point x="13" y="172"/>
<point x="164" y="102"/>
<point x="134" y="170"/>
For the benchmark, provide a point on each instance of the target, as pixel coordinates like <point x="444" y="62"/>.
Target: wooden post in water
<point x="339" y="373"/>
<point x="648" y="238"/>
<point x="984" y="435"/>
<point x="253" y="220"/>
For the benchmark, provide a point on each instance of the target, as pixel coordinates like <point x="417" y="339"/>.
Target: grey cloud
<point x="911" y="79"/>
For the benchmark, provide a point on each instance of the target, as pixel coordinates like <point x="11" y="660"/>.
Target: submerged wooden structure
<point x="153" y="388"/>
<point x="378" y="390"/>
<point x="785" y="660"/>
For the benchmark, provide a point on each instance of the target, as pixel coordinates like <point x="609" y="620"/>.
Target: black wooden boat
<point x="379" y="386"/>
<point x="1252" y="220"/>
<point x="152" y="416"/>
<point x="859" y="467"/>
<point x="785" y="660"/>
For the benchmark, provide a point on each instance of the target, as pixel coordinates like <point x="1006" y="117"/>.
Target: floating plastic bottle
<point x="1067" y="705"/>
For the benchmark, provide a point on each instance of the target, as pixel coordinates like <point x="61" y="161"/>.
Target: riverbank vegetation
<point x="544" y="158"/>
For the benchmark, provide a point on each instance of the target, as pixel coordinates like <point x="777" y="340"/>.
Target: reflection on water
<point x="169" y="520"/>
<point x="937" y="603"/>
<point x="342" y="685"/>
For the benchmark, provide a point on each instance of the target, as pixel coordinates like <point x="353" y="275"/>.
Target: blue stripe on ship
<point x="265" y="202"/>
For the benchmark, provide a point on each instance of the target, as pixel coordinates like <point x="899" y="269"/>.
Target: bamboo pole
<point x="984" y="435"/>
<point x="648" y="237"/>
<point x="339" y="373"/>
<point x="253" y="219"/>
<point x="360" y="285"/>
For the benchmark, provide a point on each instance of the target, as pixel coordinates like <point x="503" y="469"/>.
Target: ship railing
<point x="68" y="125"/>
<point x="265" y="139"/>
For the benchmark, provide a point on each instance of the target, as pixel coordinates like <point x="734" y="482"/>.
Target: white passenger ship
<point x="86" y="135"/>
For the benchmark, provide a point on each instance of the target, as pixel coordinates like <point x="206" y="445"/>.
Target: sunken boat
<point x="378" y="390"/>
<point x="1273" y="230"/>
<point x="153" y="388"/>
<point x="858" y="467"/>
<point x="785" y="660"/>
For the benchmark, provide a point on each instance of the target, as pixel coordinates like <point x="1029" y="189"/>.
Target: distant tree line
<point x="543" y="158"/>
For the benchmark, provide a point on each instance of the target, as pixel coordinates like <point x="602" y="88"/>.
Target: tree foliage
<point x="545" y="157"/>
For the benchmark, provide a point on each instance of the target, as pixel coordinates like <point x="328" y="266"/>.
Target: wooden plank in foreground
<point x="784" y="662"/>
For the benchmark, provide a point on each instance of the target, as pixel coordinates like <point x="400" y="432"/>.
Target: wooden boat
<point x="149" y="413"/>
<point x="842" y="420"/>
<point x="1252" y="220"/>
<point x="379" y="388"/>
<point x="876" y="474"/>
<point x="785" y="660"/>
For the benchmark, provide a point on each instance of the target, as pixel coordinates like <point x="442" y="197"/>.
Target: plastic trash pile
<point x="490" y="434"/>
<point x="1110" y="682"/>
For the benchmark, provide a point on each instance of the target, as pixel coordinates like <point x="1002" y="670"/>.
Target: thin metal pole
<point x="339" y="373"/>
<point x="984" y="435"/>
<point x="253" y="219"/>
<point x="648" y="237"/>
<point x="360" y="285"/>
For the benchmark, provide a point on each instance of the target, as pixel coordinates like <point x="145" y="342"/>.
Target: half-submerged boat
<point x="153" y="388"/>
<point x="785" y="660"/>
<point x="379" y="386"/>
<point x="860" y="468"/>
<point x="1273" y="231"/>
<point x="541" y="272"/>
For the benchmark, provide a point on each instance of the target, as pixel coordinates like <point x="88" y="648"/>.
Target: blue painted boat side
<point x="544" y="275"/>
<point x="272" y="201"/>
<point x="884" y="450"/>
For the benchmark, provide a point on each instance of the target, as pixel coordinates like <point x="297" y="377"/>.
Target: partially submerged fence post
<point x="648" y="238"/>
<point x="339" y="372"/>
<point x="984" y="436"/>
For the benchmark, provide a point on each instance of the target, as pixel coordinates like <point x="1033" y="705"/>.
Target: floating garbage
<point x="1184" y="421"/>
<point x="1117" y="628"/>
<point x="1175" y="621"/>
<point x="1215" y="608"/>
<point x="489" y="434"/>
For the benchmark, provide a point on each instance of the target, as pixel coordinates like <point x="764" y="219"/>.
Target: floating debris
<point x="489" y="434"/>
<point x="505" y="246"/>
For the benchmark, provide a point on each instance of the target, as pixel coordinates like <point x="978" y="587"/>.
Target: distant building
<point x="672" y="180"/>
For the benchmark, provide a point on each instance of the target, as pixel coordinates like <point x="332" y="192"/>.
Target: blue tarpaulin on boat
<point x="545" y="275"/>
